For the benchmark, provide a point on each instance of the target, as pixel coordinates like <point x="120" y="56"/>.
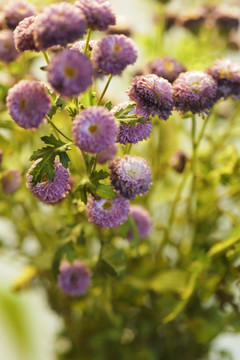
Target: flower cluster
<point x="16" y="11"/>
<point x="142" y="221"/>
<point x="167" y="67"/>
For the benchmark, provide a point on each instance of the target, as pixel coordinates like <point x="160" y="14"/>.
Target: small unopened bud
<point x="11" y="181"/>
<point x="178" y="161"/>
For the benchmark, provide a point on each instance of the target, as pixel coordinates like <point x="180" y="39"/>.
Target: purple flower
<point x="2" y="20"/>
<point x="108" y="154"/>
<point x="142" y="220"/>
<point x="47" y="191"/>
<point x="23" y="35"/>
<point x="11" y="181"/>
<point x="74" y="279"/>
<point x="153" y="96"/>
<point x="107" y="213"/>
<point x="28" y="103"/>
<point x="98" y="13"/>
<point x="59" y="24"/>
<point x="70" y="72"/>
<point x="130" y="175"/>
<point x="194" y="91"/>
<point x="16" y="11"/>
<point x="166" y="67"/>
<point x="113" y="53"/>
<point x="178" y="161"/>
<point x="227" y="75"/>
<point x="94" y="129"/>
<point x="8" y="52"/>
<point x="132" y="133"/>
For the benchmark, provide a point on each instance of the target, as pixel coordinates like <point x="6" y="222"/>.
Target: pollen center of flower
<point x="169" y="66"/>
<point x="69" y="72"/>
<point x="44" y="178"/>
<point x="93" y="128"/>
<point x="117" y="47"/>
<point x="132" y="171"/>
<point x="22" y="8"/>
<point x="23" y="104"/>
<point x="107" y="205"/>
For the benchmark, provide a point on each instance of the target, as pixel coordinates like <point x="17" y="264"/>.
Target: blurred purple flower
<point x="47" y="191"/>
<point x="23" y="35"/>
<point x="28" y="103"/>
<point x="98" y="13"/>
<point x="108" y="154"/>
<point x="74" y="279"/>
<point x="94" y="129"/>
<point x="11" y="181"/>
<point x="195" y="91"/>
<point x="166" y="67"/>
<point x="107" y="213"/>
<point x="142" y="220"/>
<point x="153" y="96"/>
<point x="8" y="52"/>
<point x="16" y="11"/>
<point x="70" y="72"/>
<point x="113" y="54"/>
<point x="227" y="75"/>
<point x="59" y="24"/>
<point x="130" y="175"/>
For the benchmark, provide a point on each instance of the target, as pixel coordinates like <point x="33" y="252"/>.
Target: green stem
<point x="45" y="54"/>
<point x="105" y="89"/>
<point x="87" y="40"/>
<point x="58" y="130"/>
<point x="193" y="168"/>
<point x="200" y="136"/>
<point x="95" y="164"/>
<point x="77" y="104"/>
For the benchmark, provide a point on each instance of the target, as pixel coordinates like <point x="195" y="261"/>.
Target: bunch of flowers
<point x="85" y="167"/>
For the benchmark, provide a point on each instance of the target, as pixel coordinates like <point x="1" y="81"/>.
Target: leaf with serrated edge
<point x="106" y="192"/>
<point x="124" y="111"/>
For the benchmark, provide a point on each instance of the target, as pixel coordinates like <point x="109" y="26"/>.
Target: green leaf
<point x="106" y="191"/>
<point x="98" y="175"/>
<point x="223" y="245"/>
<point x="174" y="280"/>
<point x="124" y="111"/>
<point x="108" y="105"/>
<point x="47" y="155"/>
<point x="105" y="269"/>
<point x="66" y="250"/>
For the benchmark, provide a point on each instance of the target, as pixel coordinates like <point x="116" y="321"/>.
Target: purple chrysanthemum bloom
<point x="23" y="35"/>
<point x="16" y="11"/>
<point x="70" y="72"/>
<point x="113" y="53"/>
<point x="227" y="75"/>
<point x="195" y="91"/>
<point x="130" y="175"/>
<point x="28" y="103"/>
<point x="108" y="154"/>
<point x="94" y="129"/>
<point x="153" y="96"/>
<point x="98" y="13"/>
<point x="47" y="191"/>
<point x="74" y="279"/>
<point x="8" y="52"/>
<point x="59" y="24"/>
<point x="166" y="67"/>
<point x="105" y="213"/>
<point x="11" y="181"/>
<point x="142" y="220"/>
<point x="132" y="133"/>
